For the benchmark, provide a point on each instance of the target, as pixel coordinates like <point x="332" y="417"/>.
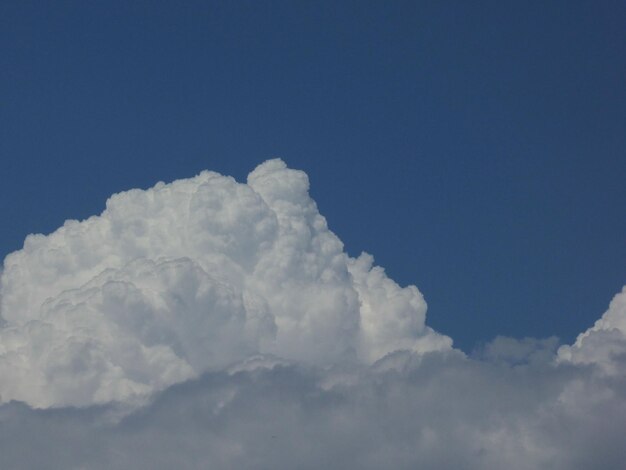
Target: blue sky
<point x="476" y="151"/>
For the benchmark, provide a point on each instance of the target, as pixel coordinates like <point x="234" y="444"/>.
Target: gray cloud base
<point x="211" y="324"/>
<point x="439" y="410"/>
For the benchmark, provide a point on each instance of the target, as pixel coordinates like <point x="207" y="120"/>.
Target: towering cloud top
<point x="192" y="276"/>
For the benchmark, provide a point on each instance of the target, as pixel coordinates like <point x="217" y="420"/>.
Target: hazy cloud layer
<point x="211" y="324"/>
<point x="439" y="410"/>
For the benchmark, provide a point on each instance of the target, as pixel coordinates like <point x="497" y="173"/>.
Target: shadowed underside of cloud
<point x="439" y="410"/>
<point x="208" y="323"/>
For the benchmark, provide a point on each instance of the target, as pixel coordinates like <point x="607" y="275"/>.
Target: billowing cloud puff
<point x="211" y="324"/>
<point x="190" y="277"/>
<point x="604" y="344"/>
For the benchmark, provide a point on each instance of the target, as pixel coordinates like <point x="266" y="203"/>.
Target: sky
<point x="476" y="151"/>
<point x="266" y="234"/>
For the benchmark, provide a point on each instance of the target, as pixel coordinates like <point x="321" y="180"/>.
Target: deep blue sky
<point x="476" y="149"/>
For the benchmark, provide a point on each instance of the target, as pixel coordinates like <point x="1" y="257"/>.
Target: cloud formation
<point x="211" y="324"/>
<point x="410" y="410"/>
<point x="190" y="277"/>
<point x="604" y="344"/>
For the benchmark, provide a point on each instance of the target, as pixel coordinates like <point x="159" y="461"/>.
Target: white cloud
<point x="604" y="344"/>
<point x="207" y="323"/>
<point x="188" y="277"/>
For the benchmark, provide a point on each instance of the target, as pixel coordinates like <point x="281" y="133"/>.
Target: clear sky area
<point x="475" y="149"/>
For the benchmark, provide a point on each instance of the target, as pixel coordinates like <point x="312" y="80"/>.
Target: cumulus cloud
<point x="190" y="277"/>
<point x="212" y="324"/>
<point x="604" y="344"/>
